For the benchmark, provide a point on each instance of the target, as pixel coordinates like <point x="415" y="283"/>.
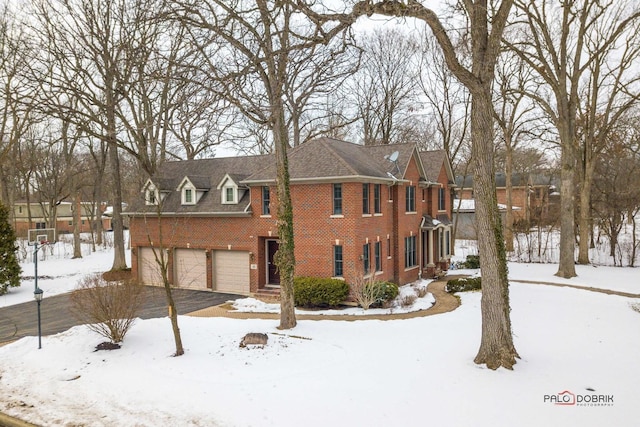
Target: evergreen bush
<point x="9" y="266"/>
<point x="464" y="284"/>
<point x="319" y="292"/>
<point x="472" y="262"/>
<point x="388" y="292"/>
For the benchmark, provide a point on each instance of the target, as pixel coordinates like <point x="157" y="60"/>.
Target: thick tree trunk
<point x="584" y="223"/>
<point x="496" y="346"/>
<point x="119" y="261"/>
<point x="285" y="258"/>
<point x="567" y="268"/>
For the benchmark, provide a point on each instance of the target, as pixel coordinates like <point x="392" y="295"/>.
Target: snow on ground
<point x="410" y="372"/>
<point x="375" y="373"/>
<point x="624" y="279"/>
<point x="56" y="274"/>
<point x="252" y="305"/>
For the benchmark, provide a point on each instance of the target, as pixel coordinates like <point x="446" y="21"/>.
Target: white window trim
<point x="184" y="195"/>
<point x="225" y="201"/>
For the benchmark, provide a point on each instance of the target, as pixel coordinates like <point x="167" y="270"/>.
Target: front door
<point x="273" y="275"/>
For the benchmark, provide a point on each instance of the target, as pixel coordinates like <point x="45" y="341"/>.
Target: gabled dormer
<point x="230" y="191"/>
<point x="192" y="189"/>
<point x="151" y="193"/>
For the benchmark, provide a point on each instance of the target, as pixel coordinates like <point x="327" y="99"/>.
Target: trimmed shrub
<point x="472" y="262"/>
<point x="464" y="284"/>
<point x="389" y="292"/>
<point x="319" y="292"/>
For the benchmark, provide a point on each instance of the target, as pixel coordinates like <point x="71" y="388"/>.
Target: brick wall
<point x="316" y="230"/>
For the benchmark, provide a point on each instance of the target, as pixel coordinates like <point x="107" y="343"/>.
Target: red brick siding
<point x="315" y="230"/>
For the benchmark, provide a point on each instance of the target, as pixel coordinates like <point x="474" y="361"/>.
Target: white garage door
<point x="149" y="267"/>
<point x="231" y="271"/>
<point x="191" y="268"/>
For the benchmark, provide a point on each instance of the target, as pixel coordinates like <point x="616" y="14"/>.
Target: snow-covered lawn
<point x="57" y="275"/>
<point x="414" y="372"/>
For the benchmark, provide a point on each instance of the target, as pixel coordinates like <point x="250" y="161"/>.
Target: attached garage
<point x="231" y="271"/>
<point x="190" y="268"/>
<point x="150" y="273"/>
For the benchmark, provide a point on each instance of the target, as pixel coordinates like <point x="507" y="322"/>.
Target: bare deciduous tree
<point x="16" y="100"/>
<point x="513" y="116"/>
<point x="447" y="100"/>
<point x="251" y="46"/>
<point x="384" y="86"/>
<point x="486" y="26"/>
<point x="555" y="44"/>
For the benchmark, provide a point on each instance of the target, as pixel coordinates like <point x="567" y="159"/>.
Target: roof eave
<point x="189" y="214"/>
<point x="327" y="179"/>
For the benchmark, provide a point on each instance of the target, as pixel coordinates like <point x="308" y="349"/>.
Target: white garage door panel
<point x="231" y="271"/>
<point x="191" y="268"/>
<point x="149" y="267"/>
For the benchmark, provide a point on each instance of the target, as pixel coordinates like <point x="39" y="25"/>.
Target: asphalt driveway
<point x="17" y="321"/>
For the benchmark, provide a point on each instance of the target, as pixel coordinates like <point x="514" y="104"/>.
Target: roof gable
<point x="433" y="162"/>
<point x="330" y="159"/>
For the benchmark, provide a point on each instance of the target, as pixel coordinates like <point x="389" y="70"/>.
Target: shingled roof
<point x="324" y="159"/>
<point x="433" y="162"/>
<point x="327" y="158"/>
<point x="204" y="174"/>
<point x="541" y="179"/>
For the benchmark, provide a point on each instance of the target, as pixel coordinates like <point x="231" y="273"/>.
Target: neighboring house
<point x="533" y="195"/>
<point x="464" y="217"/>
<point x="358" y="210"/>
<point x="35" y="215"/>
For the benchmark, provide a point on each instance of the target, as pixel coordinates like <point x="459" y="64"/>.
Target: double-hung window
<point x="266" y="200"/>
<point x="377" y="208"/>
<point x="410" y="258"/>
<point x="337" y="261"/>
<point x="410" y="205"/>
<point x="337" y="199"/>
<point x="366" y="257"/>
<point x="378" y="256"/>
<point x="441" y="199"/>
<point x="365" y="199"/>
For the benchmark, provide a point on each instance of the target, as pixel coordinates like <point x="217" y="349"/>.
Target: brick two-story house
<point x="358" y="210"/>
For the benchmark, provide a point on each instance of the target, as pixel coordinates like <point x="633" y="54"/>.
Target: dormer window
<point x="230" y="192"/>
<point x="192" y="189"/>
<point x="229" y="195"/>
<point x="188" y="196"/>
<point x="151" y="196"/>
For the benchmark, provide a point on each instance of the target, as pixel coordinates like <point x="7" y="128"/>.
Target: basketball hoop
<point x="41" y="236"/>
